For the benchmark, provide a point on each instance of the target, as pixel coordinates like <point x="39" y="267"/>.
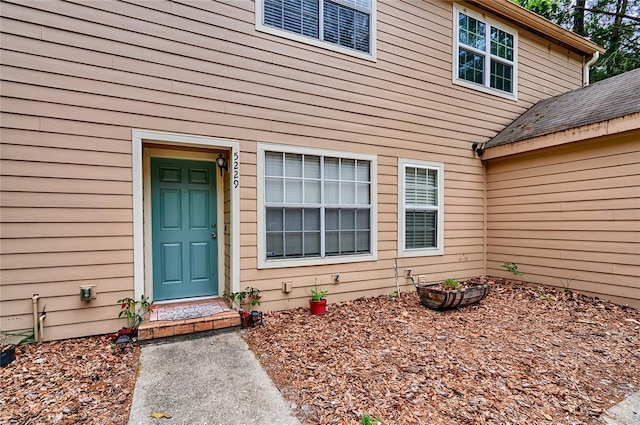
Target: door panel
<point x="183" y="196"/>
<point x="171" y="263"/>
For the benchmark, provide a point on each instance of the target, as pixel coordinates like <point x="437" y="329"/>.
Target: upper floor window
<point x="343" y="25"/>
<point x="316" y="206"/>
<point x="485" y="54"/>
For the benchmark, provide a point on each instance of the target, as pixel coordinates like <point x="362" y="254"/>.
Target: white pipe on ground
<point x="41" y="323"/>
<point x="36" y="322"/>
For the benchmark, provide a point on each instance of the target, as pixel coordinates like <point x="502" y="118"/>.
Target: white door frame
<point x="143" y="283"/>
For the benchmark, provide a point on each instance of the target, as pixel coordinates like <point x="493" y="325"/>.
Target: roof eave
<point x="610" y="127"/>
<point x="518" y="14"/>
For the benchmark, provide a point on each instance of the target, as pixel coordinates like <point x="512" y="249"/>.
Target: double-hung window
<point x="421" y="211"/>
<point x="343" y="25"/>
<point x="485" y="54"/>
<point x="317" y="207"/>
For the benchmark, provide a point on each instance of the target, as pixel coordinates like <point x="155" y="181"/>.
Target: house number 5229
<point x="236" y="170"/>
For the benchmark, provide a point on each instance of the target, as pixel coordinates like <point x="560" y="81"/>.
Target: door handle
<point x="214" y="235"/>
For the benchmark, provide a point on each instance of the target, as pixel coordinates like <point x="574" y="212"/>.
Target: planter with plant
<point x="134" y="311"/>
<point x="7" y="350"/>
<point x="451" y="293"/>
<point x="318" y="301"/>
<point x="247" y="300"/>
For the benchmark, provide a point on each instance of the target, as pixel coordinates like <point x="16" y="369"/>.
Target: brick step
<point x="154" y="329"/>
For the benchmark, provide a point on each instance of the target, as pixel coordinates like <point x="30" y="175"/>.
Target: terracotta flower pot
<point x="318" y="307"/>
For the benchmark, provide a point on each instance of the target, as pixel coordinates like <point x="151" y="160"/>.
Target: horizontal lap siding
<point x="570" y="216"/>
<point x="78" y="76"/>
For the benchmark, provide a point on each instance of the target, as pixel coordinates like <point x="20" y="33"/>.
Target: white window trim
<point x="301" y="262"/>
<point x="486" y="88"/>
<point x="371" y="56"/>
<point x="419" y="252"/>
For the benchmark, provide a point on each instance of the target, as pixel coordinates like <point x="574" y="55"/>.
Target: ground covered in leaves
<point x="77" y="381"/>
<point x="521" y="356"/>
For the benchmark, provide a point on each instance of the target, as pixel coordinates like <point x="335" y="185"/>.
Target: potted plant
<point x="248" y="300"/>
<point x="8" y="350"/>
<point x="134" y="311"/>
<point x="451" y="293"/>
<point x="318" y="301"/>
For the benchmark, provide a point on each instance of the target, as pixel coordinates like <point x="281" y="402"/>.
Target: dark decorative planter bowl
<point x="8" y="355"/>
<point x="440" y="299"/>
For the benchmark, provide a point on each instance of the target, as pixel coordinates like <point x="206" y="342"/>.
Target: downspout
<point x="36" y="322"/>
<point x="585" y="69"/>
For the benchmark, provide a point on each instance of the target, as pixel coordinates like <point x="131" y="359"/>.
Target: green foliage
<point x="369" y="420"/>
<point x="250" y="296"/>
<point x="317" y="294"/>
<point x="566" y="284"/>
<point x="610" y="23"/>
<point x="450" y="283"/>
<point x="135" y="310"/>
<point x="558" y="11"/>
<point x="545" y="296"/>
<point x="613" y="24"/>
<point x="512" y="268"/>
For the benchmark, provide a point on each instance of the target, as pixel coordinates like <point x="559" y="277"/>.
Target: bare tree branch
<point x="606" y="12"/>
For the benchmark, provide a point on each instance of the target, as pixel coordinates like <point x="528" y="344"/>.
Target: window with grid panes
<point x="344" y="23"/>
<point x="421" y="211"/>
<point x="485" y="53"/>
<point x="316" y="206"/>
<point x="421" y="207"/>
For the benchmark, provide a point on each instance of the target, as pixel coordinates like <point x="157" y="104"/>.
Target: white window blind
<point x="345" y="23"/>
<point x="421" y="210"/>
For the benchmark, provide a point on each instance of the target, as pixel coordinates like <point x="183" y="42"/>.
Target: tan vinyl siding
<point x="78" y="76"/>
<point x="570" y="215"/>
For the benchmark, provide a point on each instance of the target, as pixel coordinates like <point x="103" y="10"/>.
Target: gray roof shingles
<point x="607" y="99"/>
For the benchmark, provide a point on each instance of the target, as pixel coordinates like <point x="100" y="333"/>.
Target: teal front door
<point x="184" y="228"/>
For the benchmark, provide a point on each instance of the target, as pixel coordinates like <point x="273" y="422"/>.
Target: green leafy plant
<point x="4" y="337"/>
<point x="544" y="295"/>
<point x="134" y="310"/>
<point x="566" y="284"/>
<point x="318" y="295"/>
<point x="250" y="296"/>
<point x="512" y="268"/>
<point x="450" y="283"/>
<point x="8" y="339"/>
<point x="369" y="420"/>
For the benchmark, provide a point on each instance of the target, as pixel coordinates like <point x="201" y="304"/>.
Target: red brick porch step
<point x="165" y="328"/>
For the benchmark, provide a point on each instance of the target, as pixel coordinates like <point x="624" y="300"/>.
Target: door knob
<point x="213" y="235"/>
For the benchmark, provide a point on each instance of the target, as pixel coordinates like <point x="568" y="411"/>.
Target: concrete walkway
<point x="212" y="379"/>
<point x="627" y="412"/>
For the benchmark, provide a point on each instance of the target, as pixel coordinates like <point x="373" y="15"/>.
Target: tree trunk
<point x="616" y="33"/>
<point x="578" y="18"/>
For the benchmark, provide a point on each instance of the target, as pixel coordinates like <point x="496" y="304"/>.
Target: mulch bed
<point x="523" y="355"/>
<point x="76" y="381"/>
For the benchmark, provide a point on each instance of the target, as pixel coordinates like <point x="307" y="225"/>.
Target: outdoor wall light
<point x="222" y="163"/>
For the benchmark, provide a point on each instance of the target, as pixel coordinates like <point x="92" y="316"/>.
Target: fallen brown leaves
<point x="68" y="382"/>
<point x="521" y="356"/>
